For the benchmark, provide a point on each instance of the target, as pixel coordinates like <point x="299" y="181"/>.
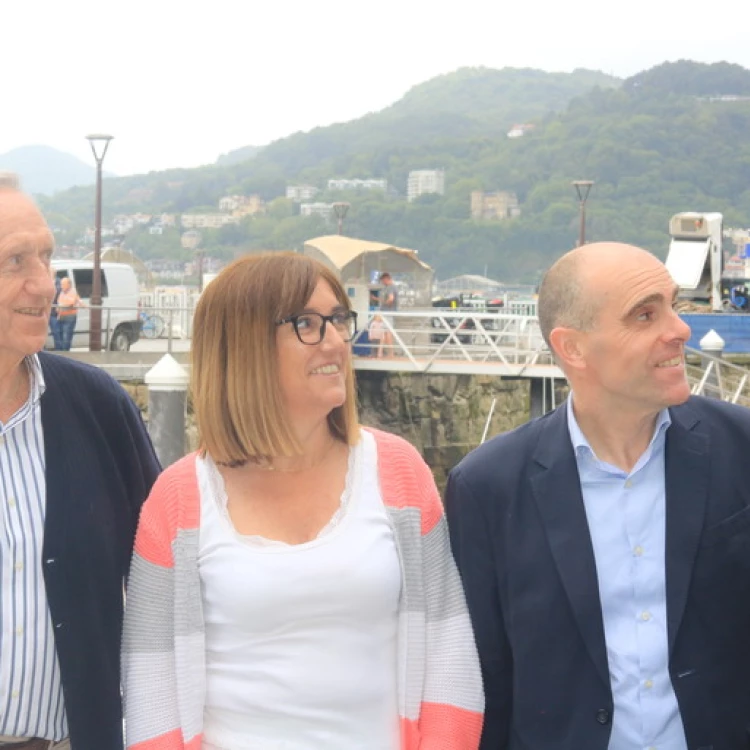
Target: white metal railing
<point x="716" y="378"/>
<point x="424" y="337"/>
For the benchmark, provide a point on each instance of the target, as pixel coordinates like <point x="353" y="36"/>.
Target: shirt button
<point x="11" y="500"/>
<point x="14" y="694"/>
<point x="638" y="551"/>
<point x="628" y="484"/>
<point x="18" y="566"/>
<point x="645" y="616"/>
<point x="19" y="630"/>
<point x="648" y="684"/>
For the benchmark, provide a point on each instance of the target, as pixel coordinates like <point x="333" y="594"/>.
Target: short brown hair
<point x="235" y="380"/>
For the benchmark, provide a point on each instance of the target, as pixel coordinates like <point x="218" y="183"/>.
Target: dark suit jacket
<point x="100" y="466"/>
<point x="521" y="540"/>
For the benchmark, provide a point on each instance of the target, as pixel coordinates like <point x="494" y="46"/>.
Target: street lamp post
<point x="583" y="187"/>
<point x="340" y="210"/>
<point x="99" y="144"/>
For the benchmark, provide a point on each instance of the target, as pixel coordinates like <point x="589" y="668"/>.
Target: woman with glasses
<point x="292" y="584"/>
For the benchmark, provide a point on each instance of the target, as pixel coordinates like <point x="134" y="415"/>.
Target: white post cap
<point x="712" y="342"/>
<point x="167" y="375"/>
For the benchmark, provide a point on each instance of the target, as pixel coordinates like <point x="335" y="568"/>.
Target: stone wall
<point x="444" y="416"/>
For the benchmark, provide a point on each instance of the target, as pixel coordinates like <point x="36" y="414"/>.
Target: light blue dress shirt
<point x="626" y="514"/>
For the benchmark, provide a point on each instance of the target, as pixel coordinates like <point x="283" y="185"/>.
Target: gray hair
<point x="564" y="299"/>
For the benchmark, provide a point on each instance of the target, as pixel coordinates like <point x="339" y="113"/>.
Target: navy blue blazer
<point x="521" y="540"/>
<point x="100" y="466"/>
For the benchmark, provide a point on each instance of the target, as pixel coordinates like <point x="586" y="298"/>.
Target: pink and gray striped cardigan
<point x="440" y="694"/>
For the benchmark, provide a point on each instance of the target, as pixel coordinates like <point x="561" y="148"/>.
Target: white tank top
<point x="301" y="640"/>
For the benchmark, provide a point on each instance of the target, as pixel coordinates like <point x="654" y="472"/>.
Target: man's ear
<point x="567" y="345"/>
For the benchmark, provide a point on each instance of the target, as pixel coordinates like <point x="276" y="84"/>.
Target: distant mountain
<point x="238" y="155"/>
<point x="45" y="170"/>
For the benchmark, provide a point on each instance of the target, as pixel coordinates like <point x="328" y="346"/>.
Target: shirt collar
<point x="581" y="444"/>
<point x="36" y="378"/>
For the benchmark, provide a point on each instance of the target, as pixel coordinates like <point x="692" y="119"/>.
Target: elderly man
<point x="605" y="548"/>
<point x="75" y="466"/>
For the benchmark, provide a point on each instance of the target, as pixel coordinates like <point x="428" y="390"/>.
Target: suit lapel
<point x="557" y="490"/>
<point x="687" y="481"/>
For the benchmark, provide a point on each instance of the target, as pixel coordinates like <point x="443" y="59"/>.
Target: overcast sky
<point x="178" y="83"/>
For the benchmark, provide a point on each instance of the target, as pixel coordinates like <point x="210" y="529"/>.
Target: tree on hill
<point x="688" y="78"/>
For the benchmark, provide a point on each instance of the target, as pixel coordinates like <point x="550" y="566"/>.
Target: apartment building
<point x="317" y="209"/>
<point x="300" y="193"/>
<point x="358" y="184"/>
<point x="423" y="181"/>
<point x="494" y="206"/>
<point x="207" y="221"/>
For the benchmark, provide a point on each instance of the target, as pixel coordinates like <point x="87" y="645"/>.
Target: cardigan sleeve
<point x="149" y="675"/>
<point x="140" y="465"/>
<point x="452" y="708"/>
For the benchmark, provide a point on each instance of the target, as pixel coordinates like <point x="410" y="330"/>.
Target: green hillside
<point x="671" y="139"/>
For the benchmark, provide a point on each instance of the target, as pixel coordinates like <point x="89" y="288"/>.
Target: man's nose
<point x="40" y="281"/>
<point x="679" y="329"/>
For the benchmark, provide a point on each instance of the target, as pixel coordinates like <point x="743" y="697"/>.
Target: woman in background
<point x="292" y="585"/>
<point x="68" y="303"/>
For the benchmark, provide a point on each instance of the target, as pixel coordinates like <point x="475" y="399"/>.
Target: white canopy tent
<point x="362" y="262"/>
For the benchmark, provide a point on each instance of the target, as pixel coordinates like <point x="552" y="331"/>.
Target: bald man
<point x="605" y="547"/>
<point x="75" y="466"/>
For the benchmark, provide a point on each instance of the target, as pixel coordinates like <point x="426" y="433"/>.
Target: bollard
<point x="712" y="345"/>
<point x="167" y="383"/>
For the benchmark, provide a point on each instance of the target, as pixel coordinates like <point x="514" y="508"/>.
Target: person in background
<point x="388" y="304"/>
<point x="292" y="584"/>
<point x="68" y="303"/>
<point x="375" y="332"/>
<point x="605" y="547"/>
<point x="54" y="327"/>
<point x="75" y="466"/>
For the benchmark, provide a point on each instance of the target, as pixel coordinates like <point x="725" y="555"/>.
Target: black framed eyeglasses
<point x="311" y="327"/>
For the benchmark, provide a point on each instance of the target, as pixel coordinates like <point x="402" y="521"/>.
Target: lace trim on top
<point x="219" y="495"/>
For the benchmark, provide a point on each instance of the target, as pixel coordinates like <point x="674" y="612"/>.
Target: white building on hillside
<point x="317" y="209"/>
<point x="207" y="221"/>
<point x="422" y="181"/>
<point x="299" y="193"/>
<point x="358" y="184"/>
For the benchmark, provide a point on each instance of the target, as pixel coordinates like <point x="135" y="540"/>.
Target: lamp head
<point x="99" y="143"/>
<point x="583" y="187"/>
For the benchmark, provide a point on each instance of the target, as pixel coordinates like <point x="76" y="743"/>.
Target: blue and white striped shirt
<point x="31" y="698"/>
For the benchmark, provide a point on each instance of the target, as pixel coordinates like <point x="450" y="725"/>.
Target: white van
<point x="121" y="325"/>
